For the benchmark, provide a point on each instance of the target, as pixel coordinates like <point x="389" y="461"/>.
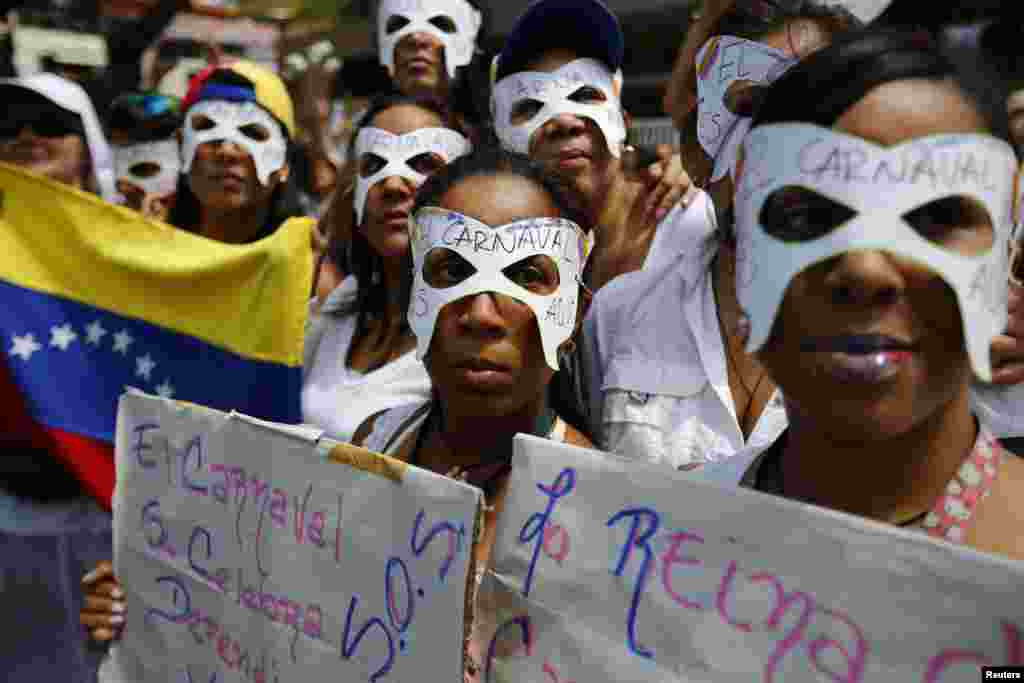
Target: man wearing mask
<point x="557" y="97"/>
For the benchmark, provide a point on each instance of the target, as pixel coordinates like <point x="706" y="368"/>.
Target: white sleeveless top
<point x="337" y="398"/>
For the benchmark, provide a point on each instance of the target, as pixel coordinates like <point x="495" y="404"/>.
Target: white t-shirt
<point x="682" y="231"/>
<point x="337" y="398"/>
<point x="656" y="374"/>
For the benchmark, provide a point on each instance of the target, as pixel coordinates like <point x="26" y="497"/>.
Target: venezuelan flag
<point x="95" y="298"/>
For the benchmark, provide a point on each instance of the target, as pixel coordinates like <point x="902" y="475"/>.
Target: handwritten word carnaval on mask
<point x="951" y="169"/>
<point x="530" y="237"/>
<point x="725" y="587"/>
<point x="855" y="172"/>
<point x="216" y="537"/>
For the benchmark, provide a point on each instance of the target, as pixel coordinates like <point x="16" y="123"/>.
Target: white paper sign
<point x="722" y="63"/>
<point x="246" y="555"/>
<point x="31" y="44"/>
<point x="607" y="569"/>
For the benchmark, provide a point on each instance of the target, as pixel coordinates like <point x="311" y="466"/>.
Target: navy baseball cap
<point x="587" y="27"/>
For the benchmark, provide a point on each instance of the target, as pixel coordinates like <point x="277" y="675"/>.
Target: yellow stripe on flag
<point x="63" y="242"/>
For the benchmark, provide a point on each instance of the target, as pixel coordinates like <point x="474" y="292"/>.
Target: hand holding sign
<point x="103" y="605"/>
<point x="247" y="556"/>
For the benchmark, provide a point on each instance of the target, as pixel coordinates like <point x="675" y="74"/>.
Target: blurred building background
<point x="98" y="41"/>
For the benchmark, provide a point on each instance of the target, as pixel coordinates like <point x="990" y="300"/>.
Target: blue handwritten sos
<point x="400" y="591"/>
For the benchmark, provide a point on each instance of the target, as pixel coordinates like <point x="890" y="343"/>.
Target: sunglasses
<point x="46" y="121"/>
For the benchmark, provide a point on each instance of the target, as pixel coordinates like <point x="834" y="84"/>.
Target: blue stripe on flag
<point x="72" y="362"/>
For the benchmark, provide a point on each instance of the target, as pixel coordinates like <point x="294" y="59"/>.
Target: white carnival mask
<point x="151" y="166"/>
<point x="722" y="62"/>
<point x="550" y="94"/>
<point x="435" y="17"/>
<point x="490" y="251"/>
<point x="398" y="150"/>
<point x="237" y="122"/>
<point x="877" y="186"/>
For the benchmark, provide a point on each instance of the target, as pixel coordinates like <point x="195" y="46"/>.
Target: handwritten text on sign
<point x="247" y="556"/>
<point x="667" y="579"/>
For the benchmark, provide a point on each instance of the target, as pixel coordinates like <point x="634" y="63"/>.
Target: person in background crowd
<point x="556" y="97"/>
<point x="358" y="353"/>
<point x="355" y="85"/>
<point x="486" y="342"/>
<point x="568" y="55"/>
<point x="239" y="122"/>
<point x="430" y="50"/>
<point x="313" y="162"/>
<point x="427" y="50"/>
<point x="874" y="334"/>
<point x="143" y="130"/>
<point x="51" y="530"/>
<point x="359" y="359"/>
<point x="681" y="389"/>
<point x="51" y="128"/>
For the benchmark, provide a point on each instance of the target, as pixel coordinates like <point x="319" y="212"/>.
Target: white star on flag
<point x="24" y="346"/>
<point x="165" y="389"/>
<point x="144" y="366"/>
<point x="94" y="333"/>
<point x="62" y="336"/>
<point x="122" y="340"/>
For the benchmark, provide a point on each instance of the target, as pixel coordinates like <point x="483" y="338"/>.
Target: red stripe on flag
<point x="90" y="460"/>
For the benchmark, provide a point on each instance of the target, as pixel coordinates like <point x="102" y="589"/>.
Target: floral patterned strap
<point x="972" y="483"/>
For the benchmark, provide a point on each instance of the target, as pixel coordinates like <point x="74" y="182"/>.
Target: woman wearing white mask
<point x="235" y="187"/>
<point x="498" y="255"/>
<point x="359" y="358"/>
<point x="144" y="129"/>
<point x="667" y="373"/>
<point x="429" y="48"/>
<point x="873" y="316"/>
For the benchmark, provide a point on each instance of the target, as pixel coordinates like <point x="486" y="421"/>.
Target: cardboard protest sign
<point x="247" y="555"/>
<point x="606" y="569"/>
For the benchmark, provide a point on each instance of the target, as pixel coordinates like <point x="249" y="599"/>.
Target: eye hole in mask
<point x="444" y="268"/>
<point x="145" y="169"/>
<point x="255" y="131"/>
<point x="201" y="122"/>
<point x="796" y="214"/>
<point x="444" y="23"/>
<point x="370" y="164"/>
<point x="588" y="94"/>
<point x="743" y="98"/>
<point x="427" y="163"/>
<point x="537" y="274"/>
<point x="957" y="223"/>
<point x="524" y="110"/>
<point x="395" y="23"/>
